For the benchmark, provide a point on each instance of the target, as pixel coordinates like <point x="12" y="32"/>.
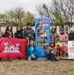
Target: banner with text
<point x="70" y="49"/>
<point x="42" y="35"/>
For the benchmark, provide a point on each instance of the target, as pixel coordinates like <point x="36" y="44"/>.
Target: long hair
<point x="53" y="29"/>
<point x="20" y="29"/>
<point x="8" y="27"/>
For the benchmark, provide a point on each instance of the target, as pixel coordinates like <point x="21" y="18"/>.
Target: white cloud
<point x="28" y="5"/>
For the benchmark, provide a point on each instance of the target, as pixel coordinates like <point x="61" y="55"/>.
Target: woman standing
<point x="63" y="36"/>
<point x="54" y="36"/>
<point x="18" y="33"/>
<point x="71" y="35"/>
<point x="8" y="32"/>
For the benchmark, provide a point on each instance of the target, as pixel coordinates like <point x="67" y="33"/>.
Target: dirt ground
<point x="38" y="67"/>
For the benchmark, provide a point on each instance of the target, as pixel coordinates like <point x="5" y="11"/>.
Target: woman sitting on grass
<point x="31" y="52"/>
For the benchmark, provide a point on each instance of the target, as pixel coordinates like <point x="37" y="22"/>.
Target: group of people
<point x="26" y="33"/>
<point x="65" y="34"/>
<point x="56" y="51"/>
<point x="20" y="33"/>
<point x="52" y="51"/>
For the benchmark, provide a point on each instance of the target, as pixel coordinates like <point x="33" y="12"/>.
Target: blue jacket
<point x="31" y="50"/>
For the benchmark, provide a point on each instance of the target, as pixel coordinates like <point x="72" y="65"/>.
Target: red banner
<point x="13" y="48"/>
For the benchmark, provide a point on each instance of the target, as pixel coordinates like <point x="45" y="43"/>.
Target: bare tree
<point x="65" y="9"/>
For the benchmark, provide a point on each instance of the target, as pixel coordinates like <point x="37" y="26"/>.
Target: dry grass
<point x="38" y="67"/>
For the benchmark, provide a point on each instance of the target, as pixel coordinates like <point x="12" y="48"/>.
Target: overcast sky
<point x="28" y="5"/>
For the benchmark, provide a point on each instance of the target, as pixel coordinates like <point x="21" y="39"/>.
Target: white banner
<point x="70" y="49"/>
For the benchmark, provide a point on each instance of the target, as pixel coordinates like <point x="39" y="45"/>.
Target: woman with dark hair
<point x="8" y="32"/>
<point x="63" y="36"/>
<point x="18" y="33"/>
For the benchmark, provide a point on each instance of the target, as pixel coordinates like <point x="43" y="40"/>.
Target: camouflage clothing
<point x="54" y="37"/>
<point x="28" y="33"/>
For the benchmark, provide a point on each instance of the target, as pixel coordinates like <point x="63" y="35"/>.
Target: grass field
<point x="38" y="67"/>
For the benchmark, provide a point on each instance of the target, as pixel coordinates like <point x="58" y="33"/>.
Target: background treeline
<point x="60" y="12"/>
<point x="17" y="16"/>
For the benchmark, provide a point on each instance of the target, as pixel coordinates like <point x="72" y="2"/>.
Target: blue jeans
<point x="31" y="58"/>
<point x="52" y="57"/>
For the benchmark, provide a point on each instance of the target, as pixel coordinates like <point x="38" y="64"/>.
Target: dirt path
<point x="39" y="67"/>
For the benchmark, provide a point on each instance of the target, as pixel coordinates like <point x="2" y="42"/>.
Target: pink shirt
<point x="63" y="36"/>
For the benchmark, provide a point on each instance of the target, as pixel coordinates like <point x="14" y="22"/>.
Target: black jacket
<point x="71" y="36"/>
<point x="18" y="34"/>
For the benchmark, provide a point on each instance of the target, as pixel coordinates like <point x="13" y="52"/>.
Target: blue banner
<point x="42" y="35"/>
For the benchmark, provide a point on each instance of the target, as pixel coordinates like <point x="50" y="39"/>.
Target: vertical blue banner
<point x="42" y="36"/>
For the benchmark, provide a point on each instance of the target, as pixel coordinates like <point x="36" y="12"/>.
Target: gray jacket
<point x="49" y="49"/>
<point x="28" y="33"/>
